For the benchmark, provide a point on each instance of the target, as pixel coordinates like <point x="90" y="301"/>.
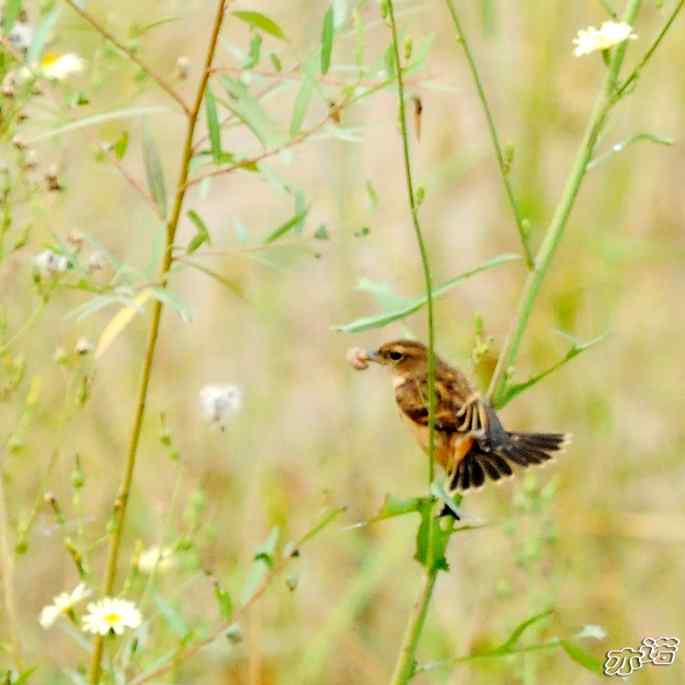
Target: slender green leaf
<point x="263" y="561"/>
<point x="577" y="347"/>
<point x="413" y="305"/>
<point x="25" y="676"/>
<point x="327" y="33"/>
<point x="224" y="600"/>
<point x="142" y="29"/>
<point x="97" y="119"/>
<point x="580" y="656"/>
<point x="121" y="145"/>
<point x="260" y="21"/>
<point x="201" y="236"/>
<point x="327" y="518"/>
<point x="171" y="616"/>
<point x="154" y="171"/>
<point x="620" y="147"/>
<point x="41" y="36"/>
<point x="11" y="13"/>
<point x="213" y="125"/>
<point x="285" y="228"/>
<point x="398" y="506"/>
<point x="235" y="288"/>
<point x="250" y="111"/>
<point x="304" y="97"/>
<point x="516" y="634"/>
<point x="255" y="53"/>
<point x="173" y="302"/>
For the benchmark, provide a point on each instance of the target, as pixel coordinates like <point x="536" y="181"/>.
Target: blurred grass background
<point x="599" y="535"/>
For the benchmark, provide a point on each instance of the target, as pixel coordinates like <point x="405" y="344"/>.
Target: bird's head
<point x="404" y="357"/>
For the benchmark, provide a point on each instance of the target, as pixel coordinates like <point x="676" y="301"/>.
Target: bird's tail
<point x="493" y="456"/>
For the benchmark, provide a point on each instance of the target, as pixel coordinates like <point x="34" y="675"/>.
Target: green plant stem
<point x="406" y="664"/>
<point x="404" y="668"/>
<point x="504" y="172"/>
<point x="422" y="247"/>
<point x="7" y="571"/>
<point x="555" y="232"/>
<point x="121" y="500"/>
<point x="161" y="82"/>
<point x="635" y="73"/>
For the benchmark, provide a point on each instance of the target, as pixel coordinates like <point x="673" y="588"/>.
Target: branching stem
<point x="161" y="82"/>
<point x="603" y="104"/>
<point x="121" y="501"/>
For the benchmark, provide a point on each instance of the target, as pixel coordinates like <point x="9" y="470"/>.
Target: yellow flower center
<point x="48" y="59"/>
<point x="113" y="618"/>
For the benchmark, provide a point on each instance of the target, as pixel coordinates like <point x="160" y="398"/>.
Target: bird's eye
<point x="396" y="356"/>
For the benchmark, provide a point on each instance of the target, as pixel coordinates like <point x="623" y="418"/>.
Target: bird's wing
<point x="450" y="395"/>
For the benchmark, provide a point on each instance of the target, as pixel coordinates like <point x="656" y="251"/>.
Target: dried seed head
<point x="219" y="402"/>
<point x="182" y="68"/>
<point x="83" y="347"/>
<point x="357" y="358"/>
<point x="97" y="261"/>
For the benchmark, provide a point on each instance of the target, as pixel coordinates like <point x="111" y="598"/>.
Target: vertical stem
<point x="406" y="661"/>
<point x="121" y="500"/>
<point x="504" y="173"/>
<point x="422" y="246"/>
<point x="605" y="101"/>
<point x="7" y="570"/>
<point x="406" y="664"/>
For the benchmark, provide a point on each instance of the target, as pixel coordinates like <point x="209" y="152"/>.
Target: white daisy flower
<point x="60" y="67"/>
<point x="609" y="34"/>
<point x="156" y="559"/>
<point x="219" y="402"/>
<point x="111" y="615"/>
<point x="48" y="263"/>
<point x="63" y="604"/>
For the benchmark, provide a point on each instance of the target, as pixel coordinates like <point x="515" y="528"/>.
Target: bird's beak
<point x="373" y="356"/>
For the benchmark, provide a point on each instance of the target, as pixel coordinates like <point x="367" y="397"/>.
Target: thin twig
<point x="634" y="75"/>
<point x="404" y="668"/>
<point x="502" y="164"/>
<point x="300" y="138"/>
<point x="603" y="104"/>
<point x="292" y="75"/>
<point x="161" y="82"/>
<point x="121" y="501"/>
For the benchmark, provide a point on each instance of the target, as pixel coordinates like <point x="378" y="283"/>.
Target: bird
<point x="470" y="442"/>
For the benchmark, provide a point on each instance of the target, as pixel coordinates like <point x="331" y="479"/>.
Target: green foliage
<point x="327" y="34"/>
<point x="201" y="236"/>
<point x="154" y="170"/>
<point x="260" y="21"/>
<point x="11" y="11"/>
<point x="213" y="125"/>
<point x="403" y="307"/>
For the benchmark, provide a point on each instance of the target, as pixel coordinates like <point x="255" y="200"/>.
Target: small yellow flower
<point x="158" y="559"/>
<point x="63" y="604"/>
<point x="610" y="33"/>
<point x="111" y="615"/>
